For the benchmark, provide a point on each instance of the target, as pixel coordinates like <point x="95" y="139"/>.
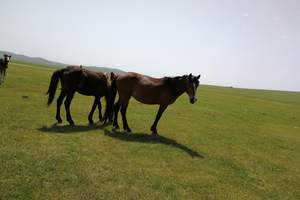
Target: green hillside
<point x="37" y="61"/>
<point x="31" y="60"/>
<point x="231" y="144"/>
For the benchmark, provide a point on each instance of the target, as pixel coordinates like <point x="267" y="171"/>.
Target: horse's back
<point x="86" y="82"/>
<point x="78" y="71"/>
<point x="143" y="88"/>
<point x="136" y="78"/>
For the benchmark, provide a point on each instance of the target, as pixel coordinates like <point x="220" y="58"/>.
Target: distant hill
<point x="44" y="62"/>
<point x="32" y="60"/>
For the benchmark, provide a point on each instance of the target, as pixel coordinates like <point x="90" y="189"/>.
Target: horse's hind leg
<point x="109" y="109"/>
<point x="99" y="109"/>
<point x="59" y="102"/>
<point x="93" y="109"/>
<point x="116" y="112"/>
<point x="67" y="107"/>
<point x="162" y="108"/>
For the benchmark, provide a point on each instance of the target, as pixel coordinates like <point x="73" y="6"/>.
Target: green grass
<point x="231" y="144"/>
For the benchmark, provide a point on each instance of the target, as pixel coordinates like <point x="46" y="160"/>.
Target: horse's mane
<point x="175" y="83"/>
<point x="170" y="80"/>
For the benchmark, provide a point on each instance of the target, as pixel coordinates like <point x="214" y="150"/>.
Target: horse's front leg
<point x="161" y="109"/>
<point x="4" y="73"/>
<point x="67" y="107"/>
<point x="96" y="100"/>
<point x="1" y="76"/>
<point x="58" y="105"/>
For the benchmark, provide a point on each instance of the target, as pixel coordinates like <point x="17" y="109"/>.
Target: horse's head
<point x="7" y="58"/>
<point x="192" y="83"/>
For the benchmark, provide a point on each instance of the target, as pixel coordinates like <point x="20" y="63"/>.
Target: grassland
<point x="231" y="144"/>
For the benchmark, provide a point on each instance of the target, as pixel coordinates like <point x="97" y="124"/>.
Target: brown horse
<point x="3" y="66"/>
<point x="75" y="79"/>
<point x="148" y="90"/>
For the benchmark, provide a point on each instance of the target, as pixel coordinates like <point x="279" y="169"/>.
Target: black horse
<point x="3" y="66"/>
<point x="76" y="79"/>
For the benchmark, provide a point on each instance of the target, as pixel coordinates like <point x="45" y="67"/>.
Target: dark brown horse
<point x="3" y="66"/>
<point x="76" y="79"/>
<point x="148" y="90"/>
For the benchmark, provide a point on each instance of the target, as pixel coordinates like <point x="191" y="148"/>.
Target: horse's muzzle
<point x="193" y="100"/>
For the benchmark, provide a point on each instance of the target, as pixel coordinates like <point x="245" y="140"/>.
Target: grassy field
<point x="231" y="144"/>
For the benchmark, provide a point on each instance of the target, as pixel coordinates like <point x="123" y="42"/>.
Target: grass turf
<point x="231" y="144"/>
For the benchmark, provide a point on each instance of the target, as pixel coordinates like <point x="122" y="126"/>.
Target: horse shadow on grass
<point x="154" y="139"/>
<point x="65" y="129"/>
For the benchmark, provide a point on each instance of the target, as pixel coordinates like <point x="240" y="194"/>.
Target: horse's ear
<point x="190" y="76"/>
<point x="199" y="76"/>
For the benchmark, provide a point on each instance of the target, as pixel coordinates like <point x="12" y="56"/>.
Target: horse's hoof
<point x="71" y="123"/>
<point x="91" y="122"/>
<point x="154" y="133"/>
<point x="59" y="121"/>
<point x="116" y="126"/>
<point x="127" y="129"/>
<point x="153" y="130"/>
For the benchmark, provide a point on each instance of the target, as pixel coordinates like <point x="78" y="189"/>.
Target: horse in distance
<point x="3" y="67"/>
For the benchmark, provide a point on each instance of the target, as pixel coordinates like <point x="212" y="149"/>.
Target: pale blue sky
<point x="240" y="43"/>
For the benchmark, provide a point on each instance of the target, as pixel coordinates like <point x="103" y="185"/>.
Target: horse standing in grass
<point x="76" y="79"/>
<point x="3" y="66"/>
<point x="148" y="90"/>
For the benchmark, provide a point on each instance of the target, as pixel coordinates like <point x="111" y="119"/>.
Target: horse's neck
<point x="3" y="62"/>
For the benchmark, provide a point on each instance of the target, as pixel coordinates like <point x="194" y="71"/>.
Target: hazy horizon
<point x="247" y="44"/>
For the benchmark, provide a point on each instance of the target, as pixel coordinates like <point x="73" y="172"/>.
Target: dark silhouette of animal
<point x="148" y="90"/>
<point x="77" y="79"/>
<point x="3" y="67"/>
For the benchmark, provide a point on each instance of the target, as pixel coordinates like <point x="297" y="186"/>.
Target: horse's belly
<point x="147" y="98"/>
<point x="86" y="93"/>
<point x="146" y="101"/>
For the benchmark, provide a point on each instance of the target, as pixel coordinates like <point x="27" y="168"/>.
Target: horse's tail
<point x="53" y="85"/>
<point x="111" y="97"/>
<point x="113" y="87"/>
